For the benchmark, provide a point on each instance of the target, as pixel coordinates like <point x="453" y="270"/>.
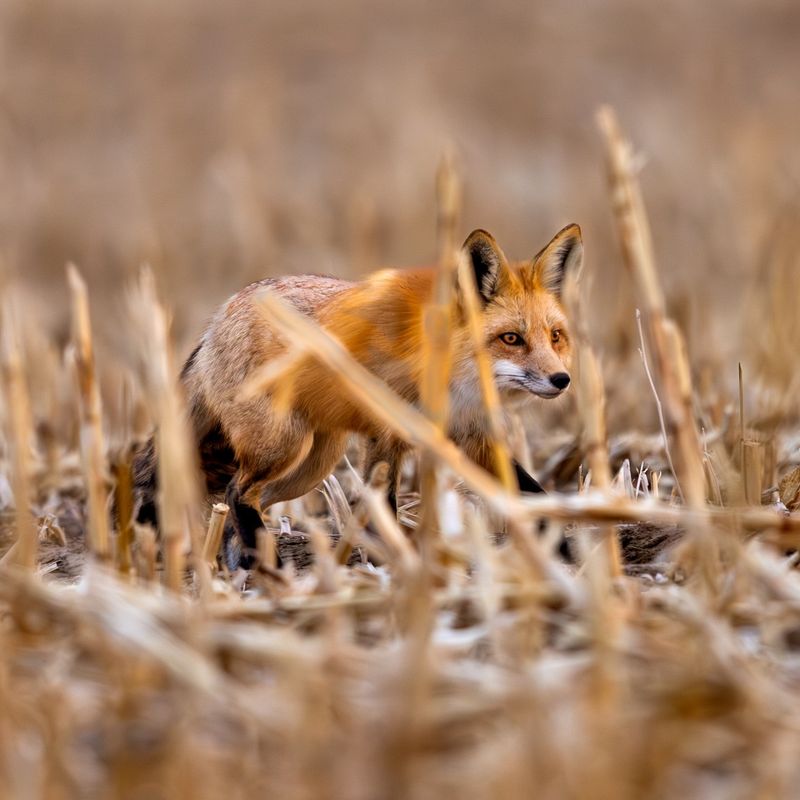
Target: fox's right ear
<point x="564" y="254"/>
<point x="487" y="260"/>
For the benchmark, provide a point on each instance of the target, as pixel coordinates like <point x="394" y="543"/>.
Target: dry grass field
<point x="159" y="156"/>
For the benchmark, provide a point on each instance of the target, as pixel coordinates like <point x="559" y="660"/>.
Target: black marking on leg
<point x="145" y="484"/>
<point x="147" y="514"/>
<point x="565" y="550"/>
<point x="245" y="521"/>
<point x="391" y="497"/>
<point x="231" y="545"/>
<point x="527" y="483"/>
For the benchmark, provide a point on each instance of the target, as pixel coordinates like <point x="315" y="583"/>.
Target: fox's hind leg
<point x="247" y="496"/>
<point x="243" y="521"/>
<point x="324" y="455"/>
<point x="261" y="460"/>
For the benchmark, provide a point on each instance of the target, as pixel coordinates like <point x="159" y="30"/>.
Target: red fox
<point x="259" y="457"/>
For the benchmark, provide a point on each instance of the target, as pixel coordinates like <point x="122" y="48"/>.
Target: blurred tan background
<point x="223" y="142"/>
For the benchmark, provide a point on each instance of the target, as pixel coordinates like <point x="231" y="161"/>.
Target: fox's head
<point x="525" y="326"/>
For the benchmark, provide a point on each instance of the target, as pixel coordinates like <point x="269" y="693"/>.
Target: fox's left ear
<point x="488" y="262"/>
<point x="563" y="254"/>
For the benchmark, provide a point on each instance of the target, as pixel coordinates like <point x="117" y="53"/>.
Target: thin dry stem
<point x="276" y="371"/>
<point x="591" y="407"/>
<point x="216" y="526"/>
<point x="267" y="549"/>
<point x="489" y="393"/>
<point x="125" y="504"/>
<point x="671" y="366"/>
<point x="91" y="416"/>
<point x="437" y="321"/>
<point x="19" y="436"/>
<point x="634" y="228"/>
<point x="178" y="497"/>
<point x="752" y="471"/>
<point x="659" y="407"/>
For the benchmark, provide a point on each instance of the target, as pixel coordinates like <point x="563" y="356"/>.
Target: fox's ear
<point x="563" y="254"/>
<point x="487" y="260"/>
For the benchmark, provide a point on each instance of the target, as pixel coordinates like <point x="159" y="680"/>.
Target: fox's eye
<point x="555" y="336"/>
<point x="513" y="339"/>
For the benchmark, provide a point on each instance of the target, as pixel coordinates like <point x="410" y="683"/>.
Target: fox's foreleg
<point x="385" y="448"/>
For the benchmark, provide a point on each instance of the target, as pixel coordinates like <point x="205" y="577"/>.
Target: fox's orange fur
<point x="260" y="456"/>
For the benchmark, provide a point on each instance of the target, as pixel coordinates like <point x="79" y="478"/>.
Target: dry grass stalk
<point x="757" y="457"/>
<point x="213" y="540"/>
<point x="682" y="414"/>
<point x="741" y="404"/>
<point x="325" y="567"/>
<point x="389" y="530"/>
<point x="637" y="247"/>
<point x="770" y="478"/>
<point x="672" y="365"/>
<point x="491" y="397"/>
<point x="91" y="416"/>
<point x="753" y="471"/>
<point x="275" y="376"/>
<point x="705" y="544"/>
<point x="123" y="493"/>
<point x="604" y="564"/>
<point x="591" y="407"/>
<point x="591" y="401"/>
<point x="591" y="506"/>
<point x="350" y="521"/>
<point x="437" y="321"/>
<point x="178" y="496"/>
<point x="712" y="481"/>
<point x="146" y="551"/>
<point x="659" y="406"/>
<point x="19" y="435"/>
<point x="631" y="217"/>
<point x="267" y="549"/>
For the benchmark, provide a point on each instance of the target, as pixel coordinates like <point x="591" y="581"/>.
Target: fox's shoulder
<point x="385" y="294"/>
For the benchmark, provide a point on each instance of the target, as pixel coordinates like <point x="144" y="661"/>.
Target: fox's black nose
<point x="560" y="380"/>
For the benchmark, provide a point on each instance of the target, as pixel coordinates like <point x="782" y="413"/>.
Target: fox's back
<point x="307" y="293"/>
